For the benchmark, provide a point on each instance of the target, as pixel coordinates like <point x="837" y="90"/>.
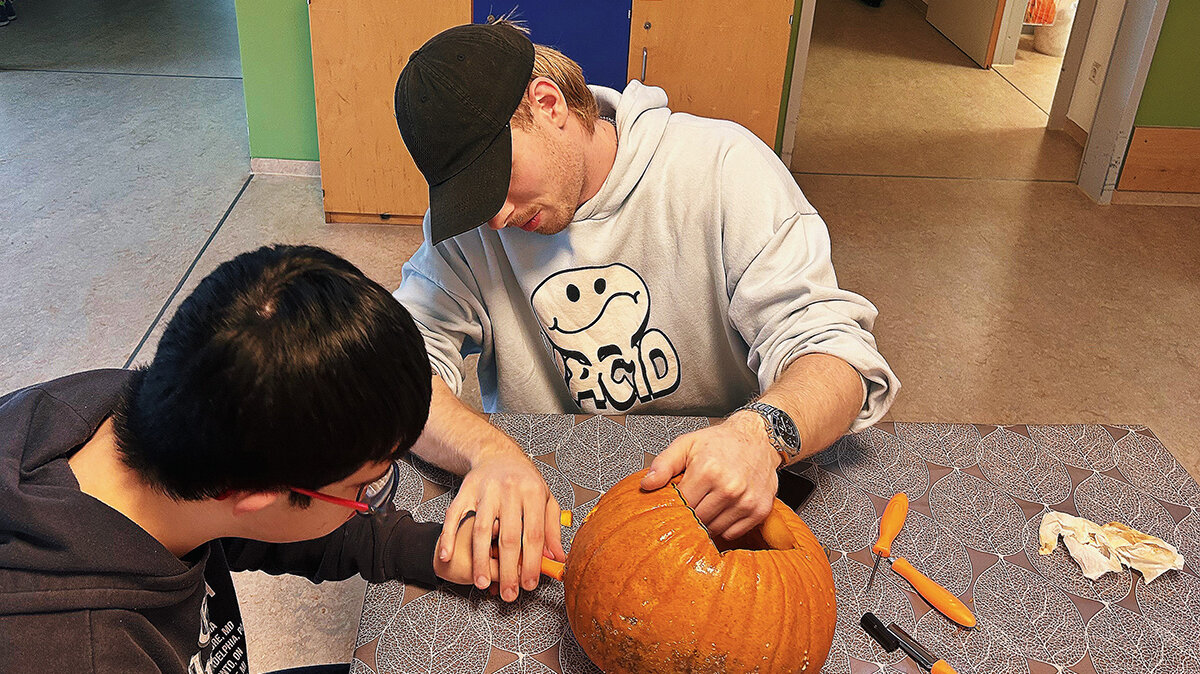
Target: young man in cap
<point x="633" y="260"/>
<point x="281" y="393"/>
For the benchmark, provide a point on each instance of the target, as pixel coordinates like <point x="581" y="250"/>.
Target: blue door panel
<point x="595" y="33"/>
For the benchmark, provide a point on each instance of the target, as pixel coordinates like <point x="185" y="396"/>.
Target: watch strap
<point x="780" y="428"/>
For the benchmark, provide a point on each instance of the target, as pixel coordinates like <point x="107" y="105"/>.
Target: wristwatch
<point x="782" y="430"/>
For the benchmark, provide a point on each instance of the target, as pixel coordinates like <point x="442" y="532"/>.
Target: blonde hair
<point x="566" y="74"/>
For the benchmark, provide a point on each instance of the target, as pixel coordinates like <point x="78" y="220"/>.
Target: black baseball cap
<point x="454" y="101"/>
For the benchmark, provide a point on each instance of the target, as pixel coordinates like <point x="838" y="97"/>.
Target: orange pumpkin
<point x="648" y="590"/>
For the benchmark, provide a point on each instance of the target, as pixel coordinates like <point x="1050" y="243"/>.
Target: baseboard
<point x="373" y="219"/>
<point x="1076" y="132"/>
<point x="1156" y="198"/>
<point x="1162" y="159"/>
<point x="285" y="167"/>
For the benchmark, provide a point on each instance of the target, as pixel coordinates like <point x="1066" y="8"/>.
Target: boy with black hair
<point x="281" y="393"/>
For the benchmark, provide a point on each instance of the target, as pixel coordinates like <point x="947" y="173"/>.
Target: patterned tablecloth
<point x="977" y="496"/>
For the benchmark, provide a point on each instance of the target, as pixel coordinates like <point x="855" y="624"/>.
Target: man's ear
<point x="249" y="502"/>
<point x="546" y="99"/>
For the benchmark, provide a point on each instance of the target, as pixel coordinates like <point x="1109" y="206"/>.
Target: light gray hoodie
<point x="695" y="275"/>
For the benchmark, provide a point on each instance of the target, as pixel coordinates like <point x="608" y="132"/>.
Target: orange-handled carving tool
<point x="889" y="527"/>
<point x="937" y="596"/>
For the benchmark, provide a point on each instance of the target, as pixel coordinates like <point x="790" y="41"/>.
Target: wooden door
<point x="359" y="49"/>
<point x="715" y="59"/>
<point x="972" y="25"/>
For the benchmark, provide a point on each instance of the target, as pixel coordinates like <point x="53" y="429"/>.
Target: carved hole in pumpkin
<point x="751" y="540"/>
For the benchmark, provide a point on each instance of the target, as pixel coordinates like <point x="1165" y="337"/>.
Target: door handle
<point x="643" y="65"/>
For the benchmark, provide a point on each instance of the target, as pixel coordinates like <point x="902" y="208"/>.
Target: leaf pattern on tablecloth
<point x="1061" y="569"/>
<point x="969" y="651"/>
<point x="537" y="434"/>
<point x="839" y="514"/>
<point x="656" y="433"/>
<point x="882" y="464"/>
<point x="934" y="551"/>
<point x="599" y="453"/>
<point x="825" y="457"/>
<point x="433" y="473"/>
<point x="571" y="657"/>
<point x="1173" y="601"/>
<point x="1123" y="642"/>
<point x="529" y="625"/>
<point x="1187" y="539"/>
<point x="525" y="665"/>
<point x="885" y="599"/>
<point x="379" y="607"/>
<point x="578" y="513"/>
<point x="1103" y="499"/>
<point x="954" y="445"/>
<point x="560" y="486"/>
<point x="1018" y="465"/>
<point x="359" y="667"/>
<point x="982" y="516"/>
<point x="433" y="510"/>
<point x="1038" y="619"/>
<point x="1147" y="464"/>
<point x="1086" y="446"/>
<point x="411" y="488"/>
<point x="433" y="634"/>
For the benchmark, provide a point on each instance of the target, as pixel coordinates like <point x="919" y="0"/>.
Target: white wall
<point x="1099" y="49"/>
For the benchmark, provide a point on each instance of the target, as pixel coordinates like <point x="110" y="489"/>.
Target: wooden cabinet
<point x="359" y="49"/>
<point x="716" y="59"/>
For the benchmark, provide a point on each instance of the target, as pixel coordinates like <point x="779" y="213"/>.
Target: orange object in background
<point x="1040" y="13"/>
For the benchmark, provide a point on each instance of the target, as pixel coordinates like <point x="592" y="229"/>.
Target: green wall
<point x="1172" y="93"/>
<point x="277" y="77"/>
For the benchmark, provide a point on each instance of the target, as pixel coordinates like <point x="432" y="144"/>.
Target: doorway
<point x="887" y="94"/>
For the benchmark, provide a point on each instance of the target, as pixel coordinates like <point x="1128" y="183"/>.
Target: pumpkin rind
<point x="647" y="591"/>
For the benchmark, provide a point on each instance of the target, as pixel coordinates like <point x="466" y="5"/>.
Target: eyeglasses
<point x="371" y="498"/>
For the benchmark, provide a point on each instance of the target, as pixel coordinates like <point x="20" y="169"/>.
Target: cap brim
<point x="475" y="194"/>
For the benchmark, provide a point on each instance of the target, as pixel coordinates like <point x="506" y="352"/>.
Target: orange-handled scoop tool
<point x="937" y="596"/>
<point x="889" y="527"/>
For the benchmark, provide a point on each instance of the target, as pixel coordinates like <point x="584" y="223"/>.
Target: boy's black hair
<point x="286" y="367"/>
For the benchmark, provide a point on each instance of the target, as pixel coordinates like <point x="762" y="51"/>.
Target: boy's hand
<point x="458" y="569"/>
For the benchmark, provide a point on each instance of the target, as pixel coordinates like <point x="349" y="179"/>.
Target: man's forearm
<point x="823" y="394"/>
<point x="455" y="436"/>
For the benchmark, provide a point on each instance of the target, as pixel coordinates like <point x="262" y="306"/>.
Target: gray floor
<point x="1005" y="295"/>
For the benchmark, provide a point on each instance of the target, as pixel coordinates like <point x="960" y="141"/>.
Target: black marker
<point x="892" y="637"/>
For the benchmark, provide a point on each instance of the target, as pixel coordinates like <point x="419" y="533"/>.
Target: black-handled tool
<point x="893" y="636"/>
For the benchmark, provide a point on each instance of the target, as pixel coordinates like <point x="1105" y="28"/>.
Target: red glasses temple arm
<point x="362" y="507"/>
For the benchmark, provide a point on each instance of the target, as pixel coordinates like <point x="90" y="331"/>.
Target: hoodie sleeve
<point x="440" y="293"/>
<point x="379" y="548"/>
<point x="784" y="297"/>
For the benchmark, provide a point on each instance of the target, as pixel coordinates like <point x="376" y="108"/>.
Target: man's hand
<point x="728" y="473"/>
<point x="459" y="568"/>
<point x="503" y="485"/>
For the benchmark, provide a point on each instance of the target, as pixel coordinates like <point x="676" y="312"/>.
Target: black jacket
<point x="84" y="589"/>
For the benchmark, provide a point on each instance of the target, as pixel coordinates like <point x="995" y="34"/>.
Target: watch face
<point x="786" y="430"/>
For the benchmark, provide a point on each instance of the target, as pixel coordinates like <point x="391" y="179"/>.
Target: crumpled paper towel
<point x="1100" y="549"/>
